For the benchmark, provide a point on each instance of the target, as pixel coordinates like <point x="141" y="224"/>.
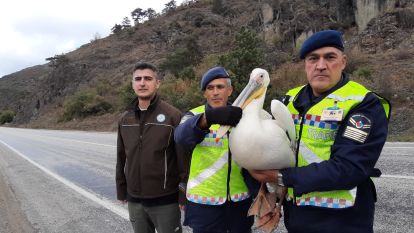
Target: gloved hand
<point x="228" y="115"/>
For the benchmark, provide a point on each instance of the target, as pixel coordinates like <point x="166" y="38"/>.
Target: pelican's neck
<point x="255" y="106"/>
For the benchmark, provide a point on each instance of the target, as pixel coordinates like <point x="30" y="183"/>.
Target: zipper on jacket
<point x="141" y="130"/>
<point x="165" y="160"/>
<point x="165" y="169"/>
<point x="228" y="172"/>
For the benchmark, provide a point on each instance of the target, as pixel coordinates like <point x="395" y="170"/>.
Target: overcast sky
<point x="32" y="30"/>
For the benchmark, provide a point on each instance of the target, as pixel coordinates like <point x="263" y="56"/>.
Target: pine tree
<point x="126" y="23"/>
<point x="170" y="6"/>
<point x="116" y="29"/>
<point x="150" y="13"/>
<point x="138" y="15"/>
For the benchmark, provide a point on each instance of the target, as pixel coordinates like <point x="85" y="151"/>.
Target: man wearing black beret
<point x="218" y="197"/>
<point x="341" y="128"/>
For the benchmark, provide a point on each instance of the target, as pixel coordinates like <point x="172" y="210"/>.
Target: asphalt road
<point x="63" y="181"/>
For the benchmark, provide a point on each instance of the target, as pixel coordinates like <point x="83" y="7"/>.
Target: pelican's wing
<point x="264" y="115"/>
<point x="283" y="118"/>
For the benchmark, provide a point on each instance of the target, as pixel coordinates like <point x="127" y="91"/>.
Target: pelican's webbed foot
<point x="266" y="208"/>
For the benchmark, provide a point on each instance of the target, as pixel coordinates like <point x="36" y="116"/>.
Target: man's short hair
<point x="326" y="38"/>
<point x="144" y="66"/>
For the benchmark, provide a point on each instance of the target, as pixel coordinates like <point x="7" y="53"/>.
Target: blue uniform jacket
<point x="351" y="164"/>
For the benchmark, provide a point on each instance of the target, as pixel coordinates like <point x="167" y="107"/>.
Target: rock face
<point x="283" y="21"/>
<point x="365" y="10"/>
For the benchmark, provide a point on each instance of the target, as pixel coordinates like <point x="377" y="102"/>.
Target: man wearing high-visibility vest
<point x="341" y="128"/>
<point x="217" y="194"/>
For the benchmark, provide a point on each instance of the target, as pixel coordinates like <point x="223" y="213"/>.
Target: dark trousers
<point x="230" y="217"/>
<point x="164" y="218"/>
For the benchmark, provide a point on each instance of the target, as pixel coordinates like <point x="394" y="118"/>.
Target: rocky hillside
<point x="379" y="36"/>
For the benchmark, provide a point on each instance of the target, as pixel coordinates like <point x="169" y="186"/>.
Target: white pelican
<point x="260" y="143"/>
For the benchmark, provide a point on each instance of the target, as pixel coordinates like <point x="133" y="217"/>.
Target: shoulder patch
<point x="160" y="118"/>
<point x="358" y="128"/>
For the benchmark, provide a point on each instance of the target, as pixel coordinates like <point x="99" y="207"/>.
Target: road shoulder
<point x="12" y="218"/>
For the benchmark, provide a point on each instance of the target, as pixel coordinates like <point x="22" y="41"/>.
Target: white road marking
<point x="398" y="177"/>
<point x="93" y="143"/>
<point x="68" y="139"/>
<point x="398" y="147"/>
<point x="117" y="209"/>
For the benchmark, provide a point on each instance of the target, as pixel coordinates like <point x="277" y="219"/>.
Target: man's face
<point x="217" y="92"/>
<point x="145" y="83"/>
<point x="323" y="68"/>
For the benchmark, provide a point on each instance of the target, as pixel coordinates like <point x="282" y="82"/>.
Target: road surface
<point x="63" y="181"/>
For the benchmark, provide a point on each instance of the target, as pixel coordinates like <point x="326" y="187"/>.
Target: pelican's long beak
<point x="253" y="90"/>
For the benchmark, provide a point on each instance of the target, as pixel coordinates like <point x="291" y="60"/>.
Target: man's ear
<point x="158" y="84"/>
<point x="345" y="60"/>
<point x="230" y="91"/>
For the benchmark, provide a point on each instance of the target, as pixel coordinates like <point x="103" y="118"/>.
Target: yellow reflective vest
<point x="212" y="179"/>
<point x="315" y="138"/>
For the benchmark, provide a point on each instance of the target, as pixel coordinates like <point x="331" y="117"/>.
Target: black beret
<point x="211" y="74"/>
<point x="326" y="38"/>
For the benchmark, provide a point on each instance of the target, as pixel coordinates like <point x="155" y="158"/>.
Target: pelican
<point x="258" y="142"/>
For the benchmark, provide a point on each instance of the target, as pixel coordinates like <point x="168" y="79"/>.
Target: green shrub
<point x="363" y="72"/>
<point x="83" y="104"/>
<point x="184" y="94"/>
<point x="104" y="87"/>
<point x="182" y="58"/>
<point x="125" y="95"/>
<point x="187" y="73"/>
<point x="6" y="116"/>
<point x="176" y="61"/>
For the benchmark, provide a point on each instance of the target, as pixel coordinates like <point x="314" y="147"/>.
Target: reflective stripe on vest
<point x="209" y="169"/>
<point x="317" y="137"/>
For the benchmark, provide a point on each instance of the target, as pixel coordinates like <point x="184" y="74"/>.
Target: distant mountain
<point x="379" y="37"/>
